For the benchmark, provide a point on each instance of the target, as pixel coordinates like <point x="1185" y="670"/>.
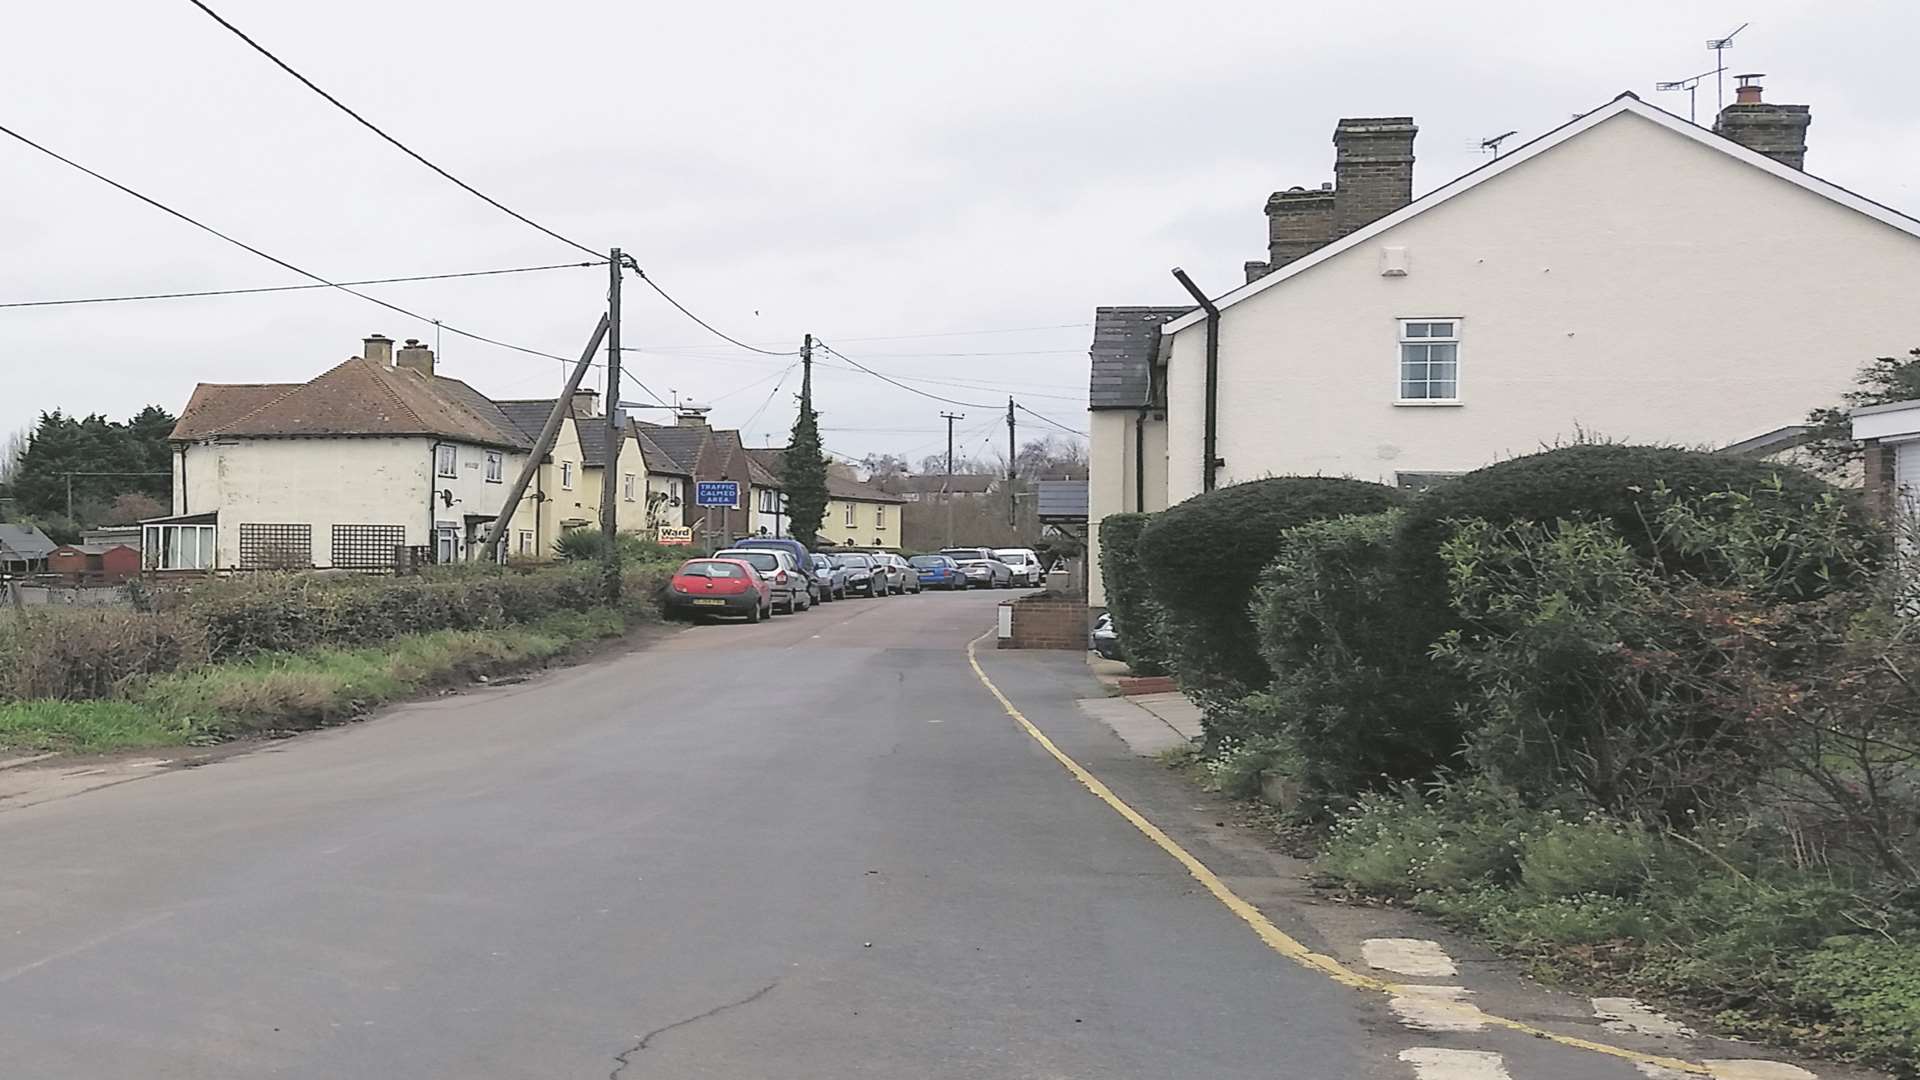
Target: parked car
<point x="1025" y="565"/>
<point x="831" y="576"/>
<point x="982" y="569"/>
<point x="938" y="572"/>
<point x="707" y="587"/>
<point x="863" y="574"/>
<point x="896" y="570"/>
<point x="1106" y="640"/>
<point x="791" y="587"/>
<point x="801" y="557"/>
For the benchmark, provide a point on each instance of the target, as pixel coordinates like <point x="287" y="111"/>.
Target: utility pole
<point x="1013" y="513"/>
<point x="497" y="533"/>
<point x="948" y="486"/>
<point x="610" y="476"/>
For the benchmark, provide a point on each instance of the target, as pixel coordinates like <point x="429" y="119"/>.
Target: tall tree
<point x="61" y="445"/>
<point x="803" y="468"/>
<point x="1885" y="380"/>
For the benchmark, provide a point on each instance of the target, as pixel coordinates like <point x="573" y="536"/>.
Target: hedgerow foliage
<point x="1129" y="600"/>
<point x="1203" y="558"/>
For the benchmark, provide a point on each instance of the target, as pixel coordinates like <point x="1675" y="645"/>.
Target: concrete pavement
<point x="816" y="847"/>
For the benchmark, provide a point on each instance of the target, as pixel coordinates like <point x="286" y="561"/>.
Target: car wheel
<point x="753" y="615"/>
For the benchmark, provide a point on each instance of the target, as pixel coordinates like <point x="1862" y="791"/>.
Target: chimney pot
<point x="378" y="348"/>
<point x="586" y="403"/>
<point x="1778" y="131"/>
<point x="415" y="357"/>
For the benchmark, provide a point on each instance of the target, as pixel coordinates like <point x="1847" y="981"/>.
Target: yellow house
<point x="861" y="515"/>
<point x="565" y="492"/>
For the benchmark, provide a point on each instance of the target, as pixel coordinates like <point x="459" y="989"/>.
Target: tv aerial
<point x="1720" y="46"/>
<point x="1691" y="84"/>
<point x="1491" y="145"/>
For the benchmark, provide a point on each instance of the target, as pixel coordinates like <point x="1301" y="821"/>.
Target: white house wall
<point x="1111" y="487"/>
<point x="1629" y="283"/>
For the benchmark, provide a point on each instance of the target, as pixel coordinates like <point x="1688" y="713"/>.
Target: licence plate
<point x="710" y="603"/>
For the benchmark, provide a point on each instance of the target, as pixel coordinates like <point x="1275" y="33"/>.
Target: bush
<point x="1204" y="557"/>
<point x="1350" y="687"/>
<point x="1467" y="836"/>
<point x="1129" y="600"/>
<point x="81" y="654"/>
<point x="586" y="544"/>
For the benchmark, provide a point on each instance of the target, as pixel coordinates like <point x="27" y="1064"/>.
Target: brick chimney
<point x="1778" y="131"/>
<point x="1372" y="169"/>
<point x="694" y="416"/>
<point x="414" y="356"/>
<point x="378" y="348"/>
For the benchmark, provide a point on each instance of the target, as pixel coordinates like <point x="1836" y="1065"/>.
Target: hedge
<point x="1129" y="600"/>
<point x="1203" y="558"/>
<point x="1353" y="693"/>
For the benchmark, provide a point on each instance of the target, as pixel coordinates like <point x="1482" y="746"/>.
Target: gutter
<point x="1210" y="460"/>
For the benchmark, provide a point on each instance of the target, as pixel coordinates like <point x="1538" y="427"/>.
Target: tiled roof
<point x="18" y="542"/>
<point x="528" y="416"/>
<point x="657" y="459"/>
<point x="214" y="405"/>
<point x="681" y="445"/>
<point x="857" y="491"/>
<point x="1124" y="342"/>
<point x="592" y="431"/>
<point x="363" y="397"/>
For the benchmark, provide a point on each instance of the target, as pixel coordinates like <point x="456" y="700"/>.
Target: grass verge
<point x="276" y="692"/>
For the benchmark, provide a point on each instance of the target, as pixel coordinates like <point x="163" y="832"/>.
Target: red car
<point x="719" y="587"/>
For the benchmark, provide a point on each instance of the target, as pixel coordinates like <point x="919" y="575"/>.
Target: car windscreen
<point x="962" y="554"/>
<point x="1011" y="558"/>
<point x="712" y="570"/>
<point x="759" y="560"/>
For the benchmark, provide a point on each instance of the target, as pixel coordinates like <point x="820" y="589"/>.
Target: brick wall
<point x="1372" y="169"/>
<point x="1880" y="483"/>
<point x="1048" y="622"/>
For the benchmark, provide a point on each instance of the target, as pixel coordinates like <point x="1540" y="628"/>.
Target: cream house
<point x="861" y="515"/>
<point x="565" y="492"/>
<point x="377" y="453"/>
<point x="1627" y="275"/>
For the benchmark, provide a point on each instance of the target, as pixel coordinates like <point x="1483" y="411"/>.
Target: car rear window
<point x="712" y="570"/>
<point x="759" y="560"/>
<point x="929" y="560"/>
<point x="861" y="561"/>
<point x="1011" y="558"/>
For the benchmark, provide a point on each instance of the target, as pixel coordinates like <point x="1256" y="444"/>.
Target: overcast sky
<point x="860" y="171"/>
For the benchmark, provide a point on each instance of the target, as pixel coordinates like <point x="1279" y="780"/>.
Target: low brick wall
<point x="1045" y="622"/>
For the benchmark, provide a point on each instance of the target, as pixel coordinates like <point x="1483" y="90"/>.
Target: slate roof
<point x="1125" y="340"/>
<point x="657" y="459"/>
<point x="24" y="542"/>
<point x="681" y="445"/>
<point x="934" y="484"/>
<point x="357" y="397"/>
<point x="858" y="491"/>
<point x="528" y="416"/>
<point x="592" y="431"/>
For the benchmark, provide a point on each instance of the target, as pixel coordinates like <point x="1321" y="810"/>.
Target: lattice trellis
<point x="366" y="547"/>
<point x="276" y="547"/>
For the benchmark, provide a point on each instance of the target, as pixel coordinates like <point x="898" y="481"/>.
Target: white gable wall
<point x="1629" y="282"/>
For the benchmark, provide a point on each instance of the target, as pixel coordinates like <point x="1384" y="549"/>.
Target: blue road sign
<point x="716" y="493"/>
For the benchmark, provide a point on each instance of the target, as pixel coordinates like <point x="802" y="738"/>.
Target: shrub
<point x="1129" y="600"/>
<point x="1466" y="836"/>
<point x="82" y="654"/>
<point x="1204" y="557"/>
<point x="1352" y="690"/>
<point x="585" y="544"/>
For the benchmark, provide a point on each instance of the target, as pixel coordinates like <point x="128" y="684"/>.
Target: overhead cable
<point x="293" y="288"/>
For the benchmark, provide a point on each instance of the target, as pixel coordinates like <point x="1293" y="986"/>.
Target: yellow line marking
<point x="1275" y="938"/>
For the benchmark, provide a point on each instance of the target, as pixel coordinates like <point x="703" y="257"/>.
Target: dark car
<point x="864" y="575"/>
<point x="938" y="572"/>
<point x="801" y="558"/>
<point x="707" y="587"/>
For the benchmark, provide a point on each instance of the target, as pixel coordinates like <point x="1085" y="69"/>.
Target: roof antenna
<point x="1492" y="145"/>
<point x="1691" y="84"/>
<point x="1720" y="47"/>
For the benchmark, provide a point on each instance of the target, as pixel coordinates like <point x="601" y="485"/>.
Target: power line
<point x="293" y="288"/>
<point x="901" y="385"/>
<point x="1050" y="420"/>
<point x="163" y="207"/>
<point x="709" y="327"/>
<point x="371" y="126"/>
<point x="939" y="334"/>
<point x="770" y="396"/>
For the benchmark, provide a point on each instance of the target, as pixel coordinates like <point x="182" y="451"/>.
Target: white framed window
<point x="849" y="518"/>
<point x="446" y="460"/>
<point x="673" y="492"/>
<point x="1429" y="361"/>
<point x="496" y="466"/>
<point x="880" y="517"/>
<point x="626" y="486"/>
<point x="566" y="476"/>
<point x="770" y="502"/>
<point x="178" y="547"/>
<point x="446" y="545"/>
<point x="525" y="546"/>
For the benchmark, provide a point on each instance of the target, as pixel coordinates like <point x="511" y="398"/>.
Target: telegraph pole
<point x="950" y="418"/>
<point x="1013" y="513"/>
<point x="610" y="476"/>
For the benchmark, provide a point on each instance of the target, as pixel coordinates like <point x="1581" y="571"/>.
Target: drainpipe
<point x="1210" y="443"/>
<point x="433" y="495"/>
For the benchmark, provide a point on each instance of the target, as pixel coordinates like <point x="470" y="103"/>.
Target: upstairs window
<point x="566" y="476"/>
<point x="496" y="466"/>
<point x="626" y="487"/>
<point x="446" y="460"/>
<point x="879" y="517"/>
<point x="1429" y="361"/>
<point x="849" y="518"/>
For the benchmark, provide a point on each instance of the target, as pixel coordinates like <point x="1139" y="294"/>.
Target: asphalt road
<point x="813" y="848"/>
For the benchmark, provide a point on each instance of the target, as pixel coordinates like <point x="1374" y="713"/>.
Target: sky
<point x="940" y="192"/>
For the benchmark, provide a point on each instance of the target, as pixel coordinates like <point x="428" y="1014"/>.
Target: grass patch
<point x="294" y="691"/>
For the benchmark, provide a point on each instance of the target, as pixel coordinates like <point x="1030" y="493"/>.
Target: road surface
<point x="814" y="848"/>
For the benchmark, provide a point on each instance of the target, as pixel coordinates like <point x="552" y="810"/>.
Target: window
<point x="1429" y="360"/>
<point x="526" y="542"/>
<point x="849" y="518"/>
<point x="366" y="547"/>
<point x="879" y="517"/>
<point x="446" y="460"/>
<point x="770" y="501"/>
<point x="626" y="487"/>
<point x="276" y="547"/>
<point x="673" y="492"/>
<point x="566" y="476"/>
<point x="446" y="545"/>
<point x="496" y="465"/>
<point x="178" y="547"/>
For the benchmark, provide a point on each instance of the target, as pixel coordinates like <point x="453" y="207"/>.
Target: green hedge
<point x="1136" y="617"/>
<point x="1352" y="692"/>
<point x="1203" y="558"/>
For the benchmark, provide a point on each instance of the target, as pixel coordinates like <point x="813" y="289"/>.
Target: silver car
<point x="792" y="591"/>
<point x="903" y="575"/>
<point x="982" y="569"/>
<point x="1024" y="564"/>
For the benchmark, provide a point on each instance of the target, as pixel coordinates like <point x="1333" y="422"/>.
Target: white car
<point x="791" y="588"/>
<point x="1024" y="563"/>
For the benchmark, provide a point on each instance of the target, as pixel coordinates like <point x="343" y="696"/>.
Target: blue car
<point x="938" y="572"/>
